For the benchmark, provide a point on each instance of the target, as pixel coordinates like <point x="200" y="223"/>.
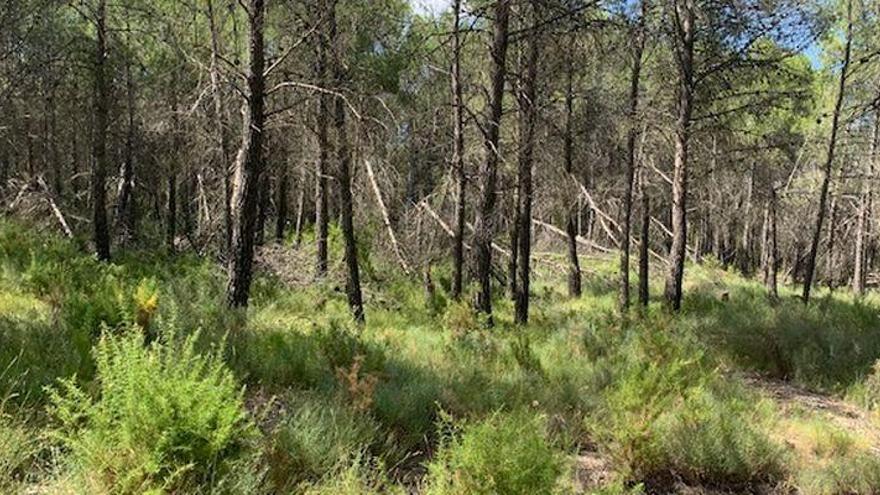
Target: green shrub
<point x="164" y="418"/>
<point x="506" y="454"/>
<point x="319" y="436"/>
<point x="668" y="415"/>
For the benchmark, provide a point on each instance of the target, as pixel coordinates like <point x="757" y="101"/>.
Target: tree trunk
<point x="830" y="270"/>
<point x="458" y="157"/>
<point x="300" y="207"/>
<point x="860" y="270"/>
<point x="484" y="225"/>
<point x="638" y="40"/>
<point x="745" y="251"/>
<point x="221" y="127"/>
<point x="249" y="165"/>
<point x="572" y="224"/>
<point x="322" y="214"/>
<point x="684" y="24"/>
<point x="529" y="115"/>
<point x="281" y="205"/>
<point x="343" y="180"/>
<point x="124" y="205"/>
<point x="99" y="150"/>
<point x="644" y="240"/>
<point x="262" y="209"/>
<point x="829" y="162"/>
<point x="772" y="249"/>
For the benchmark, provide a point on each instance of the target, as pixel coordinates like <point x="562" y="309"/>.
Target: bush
<point x="165" y="419"/>
<point x="319" y="437"/>
<point x="506" y="454"/>
<point x="668" y="415"/>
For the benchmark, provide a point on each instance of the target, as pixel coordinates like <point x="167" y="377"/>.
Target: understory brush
<point x="163" y="418"/>
<point x="504" y="453"/>
<point x="668" y="415"/>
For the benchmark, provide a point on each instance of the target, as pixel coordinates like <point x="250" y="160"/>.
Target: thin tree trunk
<point x="300" y="207"/>
<point x="322" y="214"/>
<point x="262" y="209"/>
<point x="860" y="270"/>
<point x="249" y="165"/>
<point x="386" y="219"/>
<point x="638" y="40"/>
<point x="484" y="225"/>
<point x="830" y="274"/>
<point x="829" y="161"/>
<point x="281" y="205"/>
<point x="644" y="245"/>
<point x="684" y="24"/>
<point x="458" y="157"/>
<point x="124" y="206"/>
<point x="772" y="249"/>
<point x="745" y="252"/>
<point x="529" y="114"/>
<point x="343" y="179"/>
<point x="572" y="224"/>
<point x="99" y="150"/>
<point x="220" y="119"/>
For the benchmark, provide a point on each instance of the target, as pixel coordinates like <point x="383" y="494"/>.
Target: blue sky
<point x="429" y="6"/>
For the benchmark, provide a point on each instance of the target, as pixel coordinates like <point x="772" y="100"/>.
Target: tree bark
<point x="644" y="247"/>
<point x="860" y="270"/>
<point x="343" y="180"/>
<point x="124" y="205"/>
<point x="772" y="263"/>
<point x="484" y="225"/>
<point x="529" y="115"/>
<point x="638" y="40"/>
<point x="221" y="127"/>
<point x="829" y="162"/>
<point x="249" y="165"/>
<point x="458" y="157"/>
<point x="572" y="222"/>
<point x="99" y="149"/>
<point x="322" y="214"/>
<point x="281" y="200"/>
<point x="684" y="16"/>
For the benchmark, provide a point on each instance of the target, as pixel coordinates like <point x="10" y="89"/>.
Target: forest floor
<point x="734" y="394"/>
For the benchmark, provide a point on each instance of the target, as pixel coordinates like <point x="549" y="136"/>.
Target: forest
<point x="439" y="247"/>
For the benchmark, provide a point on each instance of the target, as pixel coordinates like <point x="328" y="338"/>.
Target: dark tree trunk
<point x="684" y="41"/>
<point x="529" y="115"/>
<point x="571" y="224"/>
<point x="810" y="267"/>
<point x="125" y="200"/>
<point x="458" y="157"/>
<point x="281" y="205"/>
<point x="249" y="165"/>
<point x="638" y="40"/>
<point x="322" y="214"/>
<point x="343" y="179"/>
<point x="484" y="226"/>
<point x="99" y="150"/>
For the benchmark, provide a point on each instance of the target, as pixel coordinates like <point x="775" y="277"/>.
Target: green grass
<point x="425" y="395"/>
